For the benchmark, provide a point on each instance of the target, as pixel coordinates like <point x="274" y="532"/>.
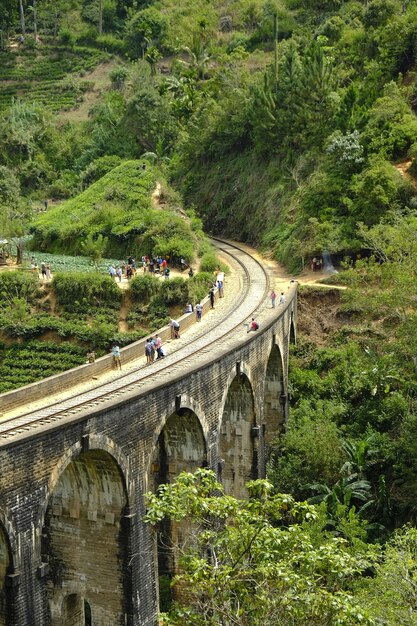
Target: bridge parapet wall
<point x="84" y="373"/>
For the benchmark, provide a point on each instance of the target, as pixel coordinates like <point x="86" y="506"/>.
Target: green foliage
<point x="94" y="248"/>
<point x="146" y="27"/>
<point x="174" y="291"/>
<point x="99" y="168"/>
<point x="392" y="126"/>
<point x="63" y="263"/>
<point x="390" y="595"/>
<point x="311" y="447"/>
<point x="143" y="287"/>
<point x="9" y="187"/>
<point x="378" y="189"/>
<point x="149" y="116"/>
<point x="378" y="12"/>
<point x="118" y="76"/>
<point x="18" y="285"/>
<point x="253" y="543"/>
<point x="22" y="364"/>
<point x="41" y="76"/>
<point x="210" y="263"/>
<point x="113" y="206"/>
<point x="199" y="286"/>
<point x="76" y="291"/>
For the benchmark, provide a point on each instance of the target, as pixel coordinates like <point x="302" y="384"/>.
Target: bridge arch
<point x="6" y="568"/>
<point x="181" y="446"/>
<point x="8" y="526"/>
<point x="97" y="442"/>
<point x="275" y="397"/>
<point x="86" y="542"/>
<point x="292" y="335"/>
<point x="238" y="435"/>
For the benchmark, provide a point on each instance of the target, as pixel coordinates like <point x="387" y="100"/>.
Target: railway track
<point x="201" y="347"/>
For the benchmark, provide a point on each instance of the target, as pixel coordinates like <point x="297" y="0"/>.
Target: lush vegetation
<point x="354" y="397"/>
<point x="271" y="560"/>
<point x="118" y="207"/>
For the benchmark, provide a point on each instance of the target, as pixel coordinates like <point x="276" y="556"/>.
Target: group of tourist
<point x="154" y="265"/>
<point x="282" y="298"/>
<point x="154" y="346"/>
<point x="44" y="271"/>
<point x="316" y="264"/>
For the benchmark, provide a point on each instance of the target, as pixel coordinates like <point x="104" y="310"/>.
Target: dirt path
<point x="124" y="310"/>
<point x="403" y="168"/>
<point x="280" y="277"/>
<point x="100" y="77"/>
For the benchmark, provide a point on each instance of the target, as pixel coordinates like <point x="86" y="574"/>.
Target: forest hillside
<point x="282" y="122"/>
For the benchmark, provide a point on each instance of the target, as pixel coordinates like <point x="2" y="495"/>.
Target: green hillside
<point x="293" y="158"/>
<point x="118" y="207"/>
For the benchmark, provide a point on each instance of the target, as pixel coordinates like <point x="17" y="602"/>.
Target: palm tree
<point x="199" y="56"/>
<point x="349" y="491"/>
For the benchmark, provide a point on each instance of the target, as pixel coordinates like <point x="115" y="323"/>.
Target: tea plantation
<point x="48" y="328"/>
<point x="50" y="75"/>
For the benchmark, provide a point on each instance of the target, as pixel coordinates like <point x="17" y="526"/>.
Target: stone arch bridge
<point x="74" y="550"/>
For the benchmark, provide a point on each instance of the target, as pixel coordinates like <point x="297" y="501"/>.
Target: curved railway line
<point x="192" y="354"/>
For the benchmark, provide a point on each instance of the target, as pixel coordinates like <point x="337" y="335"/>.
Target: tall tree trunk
<point x="22" y="18"/>
<point x="276" y="49"/>
<point x="35" y="23"/>
<point x="100" y="17"/>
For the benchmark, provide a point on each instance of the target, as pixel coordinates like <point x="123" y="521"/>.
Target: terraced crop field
<point x="52" y="75"/>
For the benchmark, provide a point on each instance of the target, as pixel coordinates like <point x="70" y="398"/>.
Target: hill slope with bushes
<point x="295" y="156"/>
<point x="118" y="207"/>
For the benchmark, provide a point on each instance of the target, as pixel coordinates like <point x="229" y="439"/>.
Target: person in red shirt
<point x="253" y="325"/>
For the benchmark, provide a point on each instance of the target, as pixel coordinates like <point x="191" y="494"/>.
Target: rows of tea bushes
<point x="50" y="76"/>
<point x="22" y="364"/>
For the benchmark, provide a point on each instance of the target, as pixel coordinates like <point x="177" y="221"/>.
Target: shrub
<point x="78" y="290"/>
<point x="110" y="43"/>
<point x="20" y="285"/>
<point x="118" y="76"/>
<point x="66" y="37"/>
<point x="210" y="262"/>
<point x="143" y="287"/>
<point x="174" y="291"/>
<point x="9" y="186"/>
<point x="174" y="248"/>
<point x="199" y="285"/>
<point x="145" y="25"/>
